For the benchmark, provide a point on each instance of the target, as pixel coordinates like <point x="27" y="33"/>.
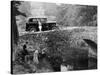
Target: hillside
<point x="66" y="44"/>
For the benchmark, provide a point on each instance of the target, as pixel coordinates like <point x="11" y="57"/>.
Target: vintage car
<point x="33" y="24"/>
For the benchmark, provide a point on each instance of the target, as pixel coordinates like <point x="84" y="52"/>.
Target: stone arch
<point x="91" y="43"/>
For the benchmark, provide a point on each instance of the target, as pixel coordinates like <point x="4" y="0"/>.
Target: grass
<point x="67" y="43"/>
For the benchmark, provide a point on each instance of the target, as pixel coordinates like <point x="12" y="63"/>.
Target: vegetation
<point x="77" y="15"/>
<point x="65" y="44"/>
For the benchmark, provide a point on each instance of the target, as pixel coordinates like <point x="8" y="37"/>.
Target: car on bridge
<point x="33" y="24"/>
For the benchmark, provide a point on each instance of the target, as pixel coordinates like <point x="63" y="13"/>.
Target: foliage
<point x="77" y="15"/>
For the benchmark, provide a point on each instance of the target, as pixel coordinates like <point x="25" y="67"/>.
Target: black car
<point x="33" y="24"/>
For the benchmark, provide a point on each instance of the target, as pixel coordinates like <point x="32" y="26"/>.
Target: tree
<point x="14" y="13"/>
<point x="89" y="14"/>
<point x="77" y="15"/>
<point x="14" y="29"/>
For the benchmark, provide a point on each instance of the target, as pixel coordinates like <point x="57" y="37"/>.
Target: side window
<point x="34" y="20"/>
